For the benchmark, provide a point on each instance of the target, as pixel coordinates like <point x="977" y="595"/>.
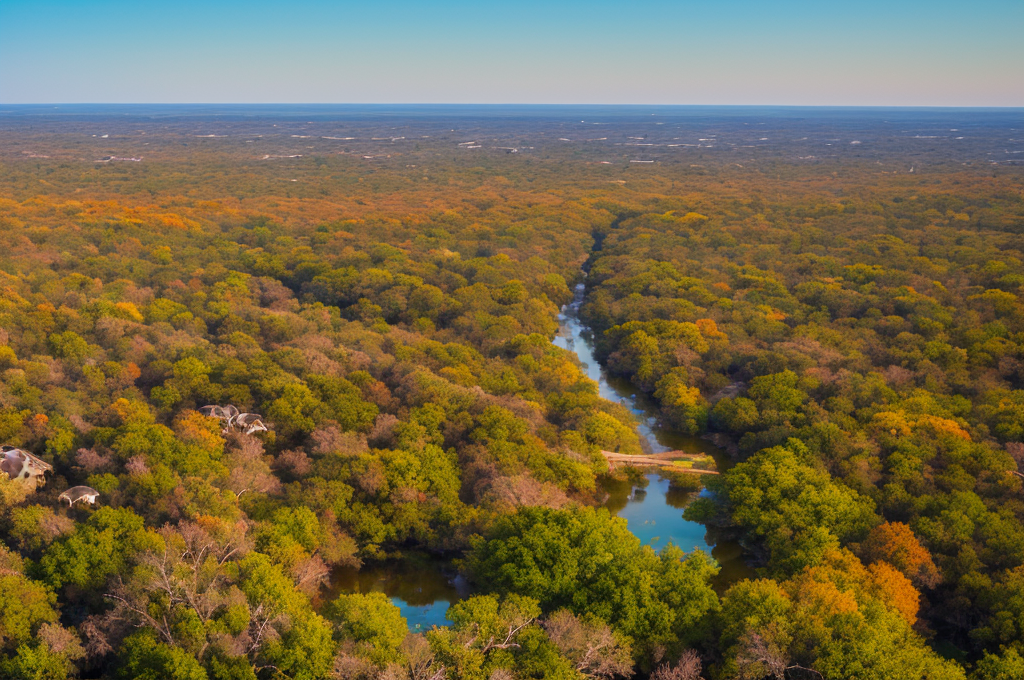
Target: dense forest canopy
<point x="832" y="295"/>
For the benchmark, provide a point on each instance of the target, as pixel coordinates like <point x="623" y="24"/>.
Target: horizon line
<point x="532" y="104"/>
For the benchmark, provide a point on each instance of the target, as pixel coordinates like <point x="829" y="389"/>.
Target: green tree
<point x="1006" y="666"/>
<point x="106" y="544"/>
<point x="586" y="561"/>
<point x="798" y="511"/>
<point x="143" y="657"/>
<point x="372" y="622"/>
<point x="682" y="404"/>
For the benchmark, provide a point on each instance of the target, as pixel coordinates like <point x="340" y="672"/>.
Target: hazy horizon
<point x="794" y="53"/>
<point x="510" y="105"/>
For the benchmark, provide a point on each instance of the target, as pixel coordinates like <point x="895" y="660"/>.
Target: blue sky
<point x="866" y="53"/>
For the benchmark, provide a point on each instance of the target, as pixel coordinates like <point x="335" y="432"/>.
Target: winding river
<point x="423" y="588"/>
<point x="653" y="514"/>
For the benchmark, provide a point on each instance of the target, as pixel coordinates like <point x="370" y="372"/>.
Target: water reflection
<point x="422" y="588"/>
<point x="654" y="515"/>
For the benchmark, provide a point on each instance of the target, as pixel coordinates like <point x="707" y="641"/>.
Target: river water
<point x="423" y="588"/>
<point x="653" y="514"/>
